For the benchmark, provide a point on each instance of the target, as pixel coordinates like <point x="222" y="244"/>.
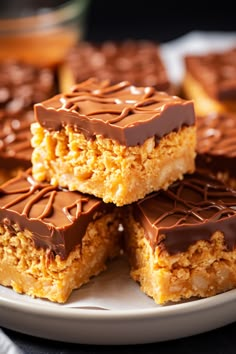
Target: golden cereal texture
<point x="204" y="270"/>
<point x="36" y="273"/>
<point x="204" y="104"/>
<point x="110" y="171"/>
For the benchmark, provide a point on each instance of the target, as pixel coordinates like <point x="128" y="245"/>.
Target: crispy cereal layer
<point x="38" y="273"/>
<point x="205" y="269"/>
<point x="113" y="172"/>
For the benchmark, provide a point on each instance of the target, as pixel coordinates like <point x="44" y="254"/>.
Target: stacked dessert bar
<point x="117" y="142"/>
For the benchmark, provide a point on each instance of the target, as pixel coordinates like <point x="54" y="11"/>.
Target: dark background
<point x="158" y="20"/>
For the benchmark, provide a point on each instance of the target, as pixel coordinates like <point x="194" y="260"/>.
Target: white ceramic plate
<point x="141" y="321"/>
<point x="91" y="326"/>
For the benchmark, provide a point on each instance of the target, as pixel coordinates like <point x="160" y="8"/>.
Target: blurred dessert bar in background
<point x="181" y="242"/>
<point x="21" y="86"/>
<point x="118" y="142"/>
<point x="216" y="145"/>
<point x="136" y="61"/>
<point x="51" y="240"/>
<point x="210" y="80"/>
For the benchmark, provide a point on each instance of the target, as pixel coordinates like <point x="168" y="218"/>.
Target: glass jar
<point x="40" y="32"/>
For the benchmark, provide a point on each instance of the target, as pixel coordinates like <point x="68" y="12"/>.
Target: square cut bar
<point x="52" y="240"/>
<point x="210" y="80"/>
<point x="181" y="242"/>
<point x="137" y="61"/>
<point x="117" y="142"/>
<point x="21" y="86"/>
<point x="216" y="145"/>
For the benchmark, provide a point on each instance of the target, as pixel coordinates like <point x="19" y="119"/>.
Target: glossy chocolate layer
<point x="56" y="217"/>
<point x="137" y="61"/>
<point x="216" y="72"/>
<point x="122" y="112"/>
<point x="216" y="143"/>
<point x="21" y="86"/>
<point x="190" y="210"/>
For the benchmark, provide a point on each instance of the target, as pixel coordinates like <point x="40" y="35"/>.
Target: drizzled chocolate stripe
<point x="57" y="218"/>
<point x="190" y="210"/>
<point x="216" y="143"/>
<point x="122" y="112"/>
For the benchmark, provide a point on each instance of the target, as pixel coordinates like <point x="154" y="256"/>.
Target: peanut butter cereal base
<point x="204" y="270"/>
<point x="108" y="170"/>
<point x="36" y="273"/>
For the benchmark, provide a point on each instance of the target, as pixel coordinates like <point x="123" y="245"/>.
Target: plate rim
<point x="170" y="309"/>
<point x="118" y="327"/>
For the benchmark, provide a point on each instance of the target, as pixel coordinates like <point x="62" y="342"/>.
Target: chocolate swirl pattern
<point x="216" y="144"/>
<point x="121" y="111"/>
<point x="190" y="210"/>
<point x="136" y="61"/>
<point x="57" y="218"/>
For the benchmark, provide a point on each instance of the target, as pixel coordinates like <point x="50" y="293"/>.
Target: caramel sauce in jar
<point x="44" y="37"/>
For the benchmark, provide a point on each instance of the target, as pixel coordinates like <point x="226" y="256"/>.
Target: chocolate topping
<point x="216" y="143"/>
<point x="56" y="217"/>
<point x="21" y="86"/>
<point x="190" y="210"/>
<point x="137" y="61"/>
<point x="121" y="112"/>
<point x="216" y="72"/>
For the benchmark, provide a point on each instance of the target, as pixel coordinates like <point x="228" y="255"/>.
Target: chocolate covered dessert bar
<point x="117" y="142"/>
<point x="216" y="145"/>
<point x="181" y="242"/>
<point x="210" y="80"/>
<point x="21" y="86"/>
<point x="52" y="240"/>
<point x="138" y="61"/>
